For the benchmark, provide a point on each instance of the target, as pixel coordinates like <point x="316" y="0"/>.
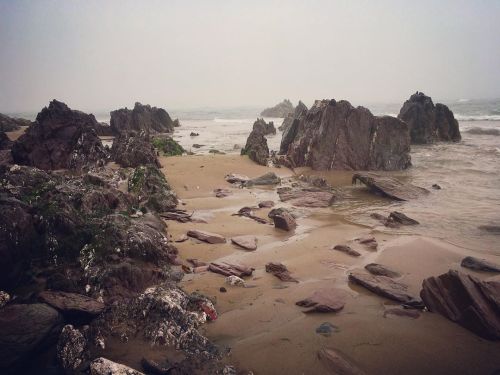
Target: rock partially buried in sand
<point x="389" y="187"/>
<point x="222" y="193"/>
<point x="384" y="286"/>
<point x="347" y="250"/>
<point x="248" y="212"/>
<point x="401" y="218"/>
<point x="228" y="269"/>
<point x="466" y="300"/>
<point x="246" y="242"/>
<point x="270" y="178"/>
<point x="369" y="241"/>
<point x="337" y="363"/>
<point x="235" y="178"/>
<point x="72" y="305"/>
<point x="324" y="301"/>
<point x="326" y="329"/>
<point x="480" y="264"/>
<point x="280" y="271"/>
<point x="266" y="204"/>
<point x="103" y="366"/>
<point x="282" y="219"/>
<point x="209" y="237"/>
<point x="380" y="270"/>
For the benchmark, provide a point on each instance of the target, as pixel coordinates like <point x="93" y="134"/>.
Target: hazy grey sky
<point x="181" y="54"/>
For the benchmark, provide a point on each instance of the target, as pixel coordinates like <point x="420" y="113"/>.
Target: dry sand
<point x="266" y="332"/>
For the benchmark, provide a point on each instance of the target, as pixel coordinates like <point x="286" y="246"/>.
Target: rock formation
<point x="133" y="150"/>
<point x="265" y="128"/>
<point x="8" y="124"/>
<point x="60" y="138"/>
<point x="335" y="135"/>
<point x="256" y="146"/>
<point x="282" y="109"/>
<point x="429" y="123"/>
<point x="287" y="122"/>
<point x="141" y="118"/>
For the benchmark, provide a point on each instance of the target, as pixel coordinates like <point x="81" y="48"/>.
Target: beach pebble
<point x="235" y="281"/>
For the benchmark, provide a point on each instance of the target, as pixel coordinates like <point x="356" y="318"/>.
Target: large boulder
<point x="256" y="147"/>
<point x="282" y="109"/>
<point x="60" y="138"/>
<point x="141" y="118"/>
<point x="335" y="135"/>
<point x="466" y="300"/>
<point x="429" y="123"/>
<point x="290" y="125"/>
<point x="8" y="124"/>
<point x="133" y="150"/>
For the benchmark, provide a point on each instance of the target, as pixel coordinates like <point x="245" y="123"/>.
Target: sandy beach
<point x="261" y="325"/>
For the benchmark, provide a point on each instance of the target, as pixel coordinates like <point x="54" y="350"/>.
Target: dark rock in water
<point x="306" y="197"/>
<point x="383" y="286"/>
<point x="380" y="270"/>
<point x="71" y="348"/>
<point x="401" y="218"/>
<point x="133" y="150"/>
<point x="466" y="300"/>
<point x="483" y="131"/>
<point x="75" y="307"/>
<point x="25" y="329"/>
<point x="152" y="189"/>
<point x="436" y="187"/>
<point x="326" y="329"/>
<point x="290" y="126"/>
<point x="282" y="219"/>
<point x="245" y="242"/>
<point x="9" y="124"/>
<point x="229" y="269"/>
<point x="270" y="178"/>
<point x="206" y="236"/>
<point x="480" y="264"/>
<point x="282" y="109"/>
<point x="495" y="229"/>
<point x="143" y="118"/>
<point x="389" y="187"/>
<point x="324" y="300"/>
<point x="336" y="363"/>
<point x="177" y="123"/>
<point x="429" y="123"/>
<point x="263" y="127"/>
<point x="335" y="135"/>
<point x="256" y="146"/>
<point x="103" y="366"/>
<point x="280" y="271"/>
<point x="193" y="134"/>
<point x="196" y="145"/>
<point x="60" y="138"/>
<point x="346" y="249"/>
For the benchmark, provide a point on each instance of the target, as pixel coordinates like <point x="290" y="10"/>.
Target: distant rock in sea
<point x="429" y="123"/>
<point x="60" y="138"/>
<point x="8" y="124"/>
<point x="142" y="118"/>
<point x="335" y="135"/>
<point x="282" y="109"/>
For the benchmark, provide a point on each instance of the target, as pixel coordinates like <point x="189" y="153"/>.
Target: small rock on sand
<point x="209" y="237"/>
<point x="282" y="219"/>
<point x="480" y="264"/>
<point x="346" y="249"/>
<point x="245" y="242"/>
<point x="234" y="178"/>
<point x="495" y="229"/>
<point x="235" y="281"/>
<point x="182" y="238"/>
<point x="324" y="300"/>
<point x="266" y="204"/>
<point x="222" y="193"/>
<point x="326" y="329"/>
<point x="280" y="271"/>
<point x="269" y="178"/>
<point x="228" y="269"/>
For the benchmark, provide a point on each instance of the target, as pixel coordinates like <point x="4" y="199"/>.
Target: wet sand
<point x="266" y="332"/>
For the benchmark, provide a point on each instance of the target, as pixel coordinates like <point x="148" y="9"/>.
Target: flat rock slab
<point x="209" y="237"/>
<point x="383" y="286"/>
<point x="466" y="300"/>
<point x="324" y="300"/>
<point x="246" y="242"/>
<point x="311" y="197"/>
<point x="347" y="250"/>
<point x="280" y="271"/>
<point x="72" y="304"/>
<point x="380" y="270"/>
<point x="229" y="269"/>
<point x="478" y="264"/>
<point x="389" y="187"/>
<point x="337" y="363"/>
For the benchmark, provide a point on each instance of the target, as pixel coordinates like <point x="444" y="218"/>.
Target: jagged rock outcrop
<point x="60" y="138"/>
<point x="466" y="300"/>
<point x="256" y="147"/>
<point x="282" y="109"/>
<point x="141" y="118"/>
<point x="8" y="124"/>
<point x="133" y="150"/>
<point x="290" y="126"/>
<point x="429" y="123"/>
<point x="265" y="128"/>
<point x="287" y="122"/>
<point x="335" y="135"/>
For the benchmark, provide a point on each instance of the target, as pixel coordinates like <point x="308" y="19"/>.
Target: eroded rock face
<point x="290" y="126"/>
<point x="133" y="150"/>
<point x="8" y="124"/>
<point x="256" y="147"/>
<point x="265" y="128"/>
<point x="324" y="300"/>
<point x="282" y="109"/>
<point x="465" y="300"/>
<point x="141" y="118"/>
<point x="429" y="123"/>
<point x="335" y="135"/>
<point x="60" y="138"/>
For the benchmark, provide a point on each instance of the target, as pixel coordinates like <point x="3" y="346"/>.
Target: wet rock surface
<point x="103" y="366"/>
<point x="263" y="127"/>
<point x="389" y="187"/>
<point x="290" y="126"/>
<point x="465" y="300"/>
<point x="60" y="138"/>
<point x="360" y="140"/>
<point x="478" y="264"/>
<point x="282" y="219"/>
<point x="141" y="118"/>
<point x="206" y="236"/>
<point x="402" y="219"/>
<point x="429" y="123"/>
<point x="248" y="212"/>
<point x="280" y="271"/>
<point x="133" y="150"/>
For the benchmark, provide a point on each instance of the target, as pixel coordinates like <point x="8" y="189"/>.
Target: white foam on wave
<point x="460" y="117"/>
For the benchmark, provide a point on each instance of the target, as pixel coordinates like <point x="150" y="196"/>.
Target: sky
<point x="97" y="55"/>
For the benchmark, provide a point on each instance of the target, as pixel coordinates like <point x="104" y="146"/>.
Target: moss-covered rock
<point x="152" y="189"/>
<point x="168" y="146"/>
